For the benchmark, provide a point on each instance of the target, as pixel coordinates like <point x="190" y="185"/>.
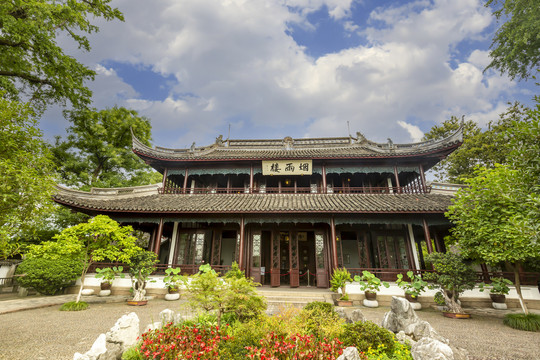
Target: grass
<point x="529" y="322"/>
<point x="74" y="306"/>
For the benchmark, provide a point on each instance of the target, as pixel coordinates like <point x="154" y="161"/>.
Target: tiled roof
<point x="288" y="148"/>
<point x="257" y="203"/>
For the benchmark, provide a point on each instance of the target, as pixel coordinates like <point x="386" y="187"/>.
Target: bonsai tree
<point x="109" y="274"/>
<point x="339" y="280"/>
<point x="369" y="282"/>
<point x="172" y="279"/>
<point x="452" y="275"/>
<point x="415" y="287"/>
<point x="141" y="266"/>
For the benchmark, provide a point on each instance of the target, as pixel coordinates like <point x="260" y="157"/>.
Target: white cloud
<point x="235" y="62"/>
<point x="414" y="131"/>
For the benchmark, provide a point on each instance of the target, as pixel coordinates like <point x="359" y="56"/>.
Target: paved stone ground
<point x="46" y="333"/>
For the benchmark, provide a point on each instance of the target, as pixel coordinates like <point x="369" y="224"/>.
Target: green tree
<point x="493" y="222"/>
<point x="98" y="239"/>
<point x="480" y="147"/>
<point x="97" y="151"/>
<point x="33" y="64"/>
<point x="516" y="44"/>
<point x="26" y="174"/>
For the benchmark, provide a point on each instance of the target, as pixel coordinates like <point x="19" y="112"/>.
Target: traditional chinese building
<point x="288" y="210"/>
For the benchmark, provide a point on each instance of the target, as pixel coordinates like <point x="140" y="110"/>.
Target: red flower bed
<point x="295" y="347"/>
<point x="171" y="342"/>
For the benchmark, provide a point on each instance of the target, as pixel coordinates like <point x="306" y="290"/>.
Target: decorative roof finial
<point x="192" y="148"/>
<point x="390" y="143"/>
<point x="219" y="140"/>
<point x="360" y="138"/>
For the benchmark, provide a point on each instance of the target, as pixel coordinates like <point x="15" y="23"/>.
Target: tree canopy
<point x="33" y="64"/>
<point x="516" y="44"/>
<point x="496" y="216"/>
<point x="97" y="151"/>
<point x="96" y="240"/>
<point x="480" y="147"/>
<point x="26" y="173"/>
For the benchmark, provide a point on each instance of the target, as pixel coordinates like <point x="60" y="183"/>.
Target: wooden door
<point x="320" y="259"/>
<point x="256" y="248"/>
<point x="294" y="266"/>
<point x="275" y="269"/>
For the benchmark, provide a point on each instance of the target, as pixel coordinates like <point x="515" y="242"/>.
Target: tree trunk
<point x="83" y="275"/>
<point x="517" y="283"/>
<point x="452" y="303"/>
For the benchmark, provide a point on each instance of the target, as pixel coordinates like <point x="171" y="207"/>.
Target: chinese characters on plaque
<point x="287" y="167"/>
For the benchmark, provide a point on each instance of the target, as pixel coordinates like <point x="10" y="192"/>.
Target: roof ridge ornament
<point x="288" y="143"/>
<point x="360" y="138"/>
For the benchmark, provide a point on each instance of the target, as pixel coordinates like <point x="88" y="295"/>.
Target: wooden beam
<point x="397" y="179"/>
<point x="241" y="263"/>
<point x="251" y="178"/>
<point x="333" y="243"/>
<point x="427" y="236"/>
<point x="164" y="178"/>
<point x="185" y="180"/>
<point x="324" y="179"/>
<point x="423" y="179"/>
<point x="159" y="233"/>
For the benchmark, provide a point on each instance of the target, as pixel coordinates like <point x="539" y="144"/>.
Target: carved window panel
<point x="256" y="252"/>
<point x="199" y="247"/>
<point x="294" y="249"/>
<point x="319" y="250"/>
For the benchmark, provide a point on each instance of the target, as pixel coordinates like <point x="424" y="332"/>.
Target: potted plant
<point x="498" y="289"/>
<point x="339" y="281"/>
<point x="141" y="265"/>
<point x="413" y="289"/>
<point x="172" y="280"/>
<point x="370" y="284"/>
<point x="453" y="276"/>
<point x="438" y="298"/>
<point x="108" y="275"/>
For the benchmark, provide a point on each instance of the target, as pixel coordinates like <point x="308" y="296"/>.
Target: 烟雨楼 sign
<point x="287" y="167"/>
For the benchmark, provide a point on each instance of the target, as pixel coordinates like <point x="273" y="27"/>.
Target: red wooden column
<point x="185" y="180"/>
<point x="323" y="179"/>
<point x="427" y="236"/>
<point x="164" y="178"/>
<point x="157" y="240"/>
<point x="423" y="178"/>
<point x="241" y="262"/>
<point x="397" y="180"/>
<point x="251" y="178"/>
<point x="438" y="246"/>
<point x="333" y="243"/>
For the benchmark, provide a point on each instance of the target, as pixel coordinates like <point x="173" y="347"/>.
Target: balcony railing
<point x="295" y="190"/>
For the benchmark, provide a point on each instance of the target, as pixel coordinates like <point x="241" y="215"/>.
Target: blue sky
<point x="300" y="68"/>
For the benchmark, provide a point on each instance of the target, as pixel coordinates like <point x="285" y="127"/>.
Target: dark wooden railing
<point x="160" y="268"/>
<point x="526" y="278"/>
<point x="294" y="190"/>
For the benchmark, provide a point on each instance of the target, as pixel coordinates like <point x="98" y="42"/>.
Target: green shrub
<point x="400" y="352"/>
<point x="74" y="306"/>
<point x="241" y="336"/>
<point x="364" y="335"/>
<point x="529" y="322"/>
<point x="321" y="307"/>
<point x="321" y="320"/>
<point x="132" y="354"/>
<point x="48" y="276"/>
